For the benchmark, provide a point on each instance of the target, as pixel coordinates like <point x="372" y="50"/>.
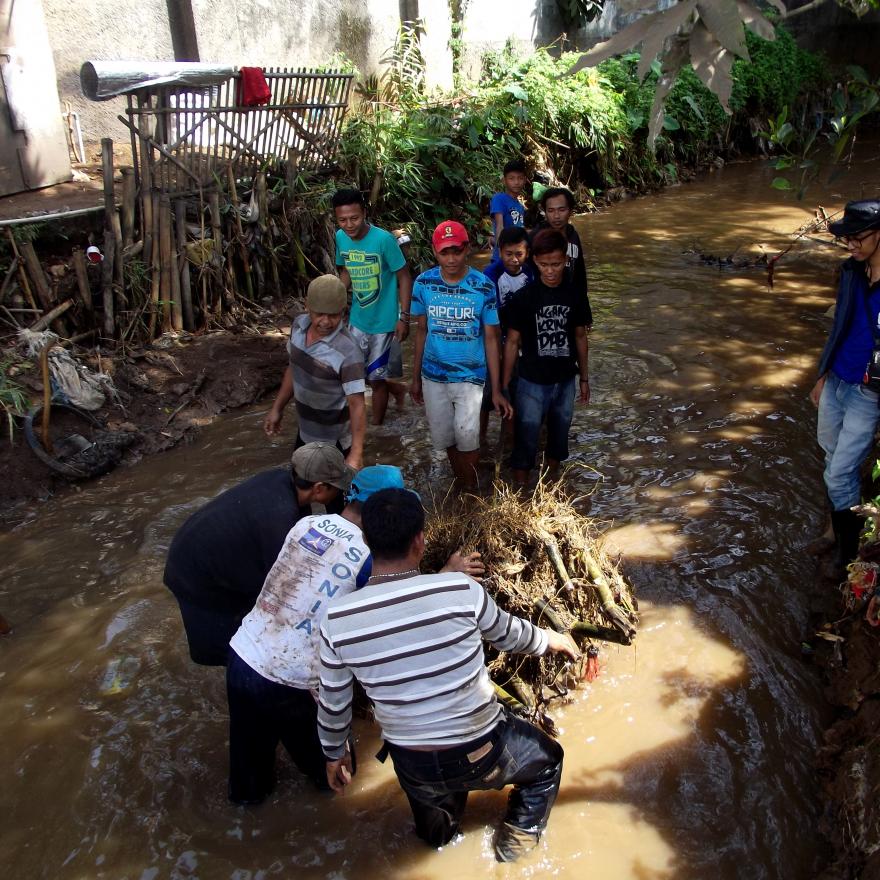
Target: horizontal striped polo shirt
<point x="324" y="374"/>
<point x="416" y="647"/>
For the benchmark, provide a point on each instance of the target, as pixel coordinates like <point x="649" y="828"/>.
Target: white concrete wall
<point x="287" y="32"/>
<point x="307" y="33"/>
<point x="106" y="30"/>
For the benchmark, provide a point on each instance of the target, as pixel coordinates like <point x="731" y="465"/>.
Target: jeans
<point x="535" y="403"/>
<point x="262" y="713"/>
<point x="848" y="414"/>
<point x="516" y="753"/>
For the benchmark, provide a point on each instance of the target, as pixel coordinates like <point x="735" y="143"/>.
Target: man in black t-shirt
<point x="557" y="203"/>
<point x="221" y="555"/>
<point x="546" y="325"/>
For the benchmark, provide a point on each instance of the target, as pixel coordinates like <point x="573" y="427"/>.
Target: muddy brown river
<point x="690" y="757"/>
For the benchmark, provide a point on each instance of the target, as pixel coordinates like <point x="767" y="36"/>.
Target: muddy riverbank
<point x="693" y="755"/>
<point x="167" y="393"/>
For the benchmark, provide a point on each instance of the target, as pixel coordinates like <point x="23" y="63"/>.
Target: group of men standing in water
<point x="300" y="605"/>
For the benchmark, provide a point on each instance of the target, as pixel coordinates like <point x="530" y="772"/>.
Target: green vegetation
<point x="13" y="398"/>
<point x="425" y="160"/>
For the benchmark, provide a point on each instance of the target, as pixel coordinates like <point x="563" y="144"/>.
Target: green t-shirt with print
<point x="372" y="263"/>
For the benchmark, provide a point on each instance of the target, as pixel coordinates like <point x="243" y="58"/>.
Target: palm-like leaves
<point x="709" y="33"/>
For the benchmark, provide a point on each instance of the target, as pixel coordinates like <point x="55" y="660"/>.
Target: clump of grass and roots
<point x="545" y="562"/>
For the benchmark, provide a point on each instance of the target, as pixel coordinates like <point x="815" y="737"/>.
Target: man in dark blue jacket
<point x="848" y="408"/>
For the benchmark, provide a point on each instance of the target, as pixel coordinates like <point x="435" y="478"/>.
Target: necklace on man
<point x="394" y="574"/>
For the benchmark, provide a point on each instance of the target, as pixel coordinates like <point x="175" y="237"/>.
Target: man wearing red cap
<point x="456" y="349"/>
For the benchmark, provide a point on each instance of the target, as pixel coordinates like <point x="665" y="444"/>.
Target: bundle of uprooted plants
<point x="544" y="562"/>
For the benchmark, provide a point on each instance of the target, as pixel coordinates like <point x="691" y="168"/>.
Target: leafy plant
<point x="801" y="147"/>
<point x="13" y="399"/>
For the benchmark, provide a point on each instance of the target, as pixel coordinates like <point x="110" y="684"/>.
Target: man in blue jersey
<point x="457" y="350"/>
<point x="371" y="263"/>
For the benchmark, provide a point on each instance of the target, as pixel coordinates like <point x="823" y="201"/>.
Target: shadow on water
<point x="691" y="756"/>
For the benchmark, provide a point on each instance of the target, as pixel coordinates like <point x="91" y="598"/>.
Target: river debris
<point x="728" y="261"/>
<point x="545" y="562"/>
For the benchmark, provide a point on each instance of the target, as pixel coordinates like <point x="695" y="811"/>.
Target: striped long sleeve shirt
<point x="416" y="647"/>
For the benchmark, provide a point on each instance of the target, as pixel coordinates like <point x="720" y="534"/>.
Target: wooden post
<point x="82" y="279"/>
<point x="217" y="252"/>
<point x="22" y="275"/>
<point x="129" y="197"/>
<point x="291" y="169"/>
<point x="107" y="283"/>
<point x="50" y="316"/>
<point x="239" y="234"/>
<point x="183" y="265"/>
<point x="266" y="232"/>
<point x="155" y="264"/>
<point x="166" y="293"/>
<point x="35" y="270"/>
<point x="111" y="219"/>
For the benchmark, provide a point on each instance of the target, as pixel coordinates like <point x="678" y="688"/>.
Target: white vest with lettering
<point x="320" y="560"/>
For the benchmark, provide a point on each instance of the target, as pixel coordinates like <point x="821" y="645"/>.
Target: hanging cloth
<point x="253" y="89"/>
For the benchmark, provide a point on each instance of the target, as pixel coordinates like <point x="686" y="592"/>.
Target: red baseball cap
<point x="450" y="233"/>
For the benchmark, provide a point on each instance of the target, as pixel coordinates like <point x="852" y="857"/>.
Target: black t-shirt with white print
<point x="546" y="318"/>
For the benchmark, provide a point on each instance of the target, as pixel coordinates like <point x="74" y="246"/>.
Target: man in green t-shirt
<point x="371" y="263"/>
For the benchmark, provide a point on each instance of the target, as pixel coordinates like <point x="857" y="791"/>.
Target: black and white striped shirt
<point x="416" y="646"/>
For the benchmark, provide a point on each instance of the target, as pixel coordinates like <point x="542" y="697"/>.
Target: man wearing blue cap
<point x="846" y="392"/>
<point x="272" y="669"/>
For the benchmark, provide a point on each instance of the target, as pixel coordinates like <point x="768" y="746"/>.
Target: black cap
<point x="858" y="217"/>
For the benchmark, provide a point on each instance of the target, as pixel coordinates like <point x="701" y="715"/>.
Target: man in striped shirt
<point x="325" y="376"/>
<point x="415" y="643"/>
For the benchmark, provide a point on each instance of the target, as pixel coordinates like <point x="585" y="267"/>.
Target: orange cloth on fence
<point x="253" y="89"/>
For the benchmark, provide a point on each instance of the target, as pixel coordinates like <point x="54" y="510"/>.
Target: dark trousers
<point x="263" y="713"/>
<point x="518" y="754"/>
<point x="208" y="630"/>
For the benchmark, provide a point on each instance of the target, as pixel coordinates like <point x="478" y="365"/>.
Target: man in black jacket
<point x="221" y="555"/>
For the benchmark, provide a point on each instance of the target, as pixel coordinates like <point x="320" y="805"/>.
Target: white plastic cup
<point x="93" y="255"/>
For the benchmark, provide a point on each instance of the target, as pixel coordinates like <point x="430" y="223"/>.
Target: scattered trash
<point x="119" y="675"/>
<point x="94" y="255"/>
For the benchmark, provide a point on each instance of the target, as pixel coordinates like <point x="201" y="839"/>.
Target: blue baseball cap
<point x="371" y="479"/>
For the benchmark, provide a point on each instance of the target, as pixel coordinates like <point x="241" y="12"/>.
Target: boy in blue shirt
<point x="510" y="272"/>
<point x="371" y="263"/>
<point x="456" y="348"/>
<point x="512" y="269"/>
<point x="505" y="209"/>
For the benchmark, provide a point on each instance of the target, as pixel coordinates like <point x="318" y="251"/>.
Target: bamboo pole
<point x="583" y="629"/>
<point x="111" y="216"/>
<point x="49" y="317"/>
<point x="183" y="265"/>
<point x="107" y="284"/>
<point x="226" y="293"/>
<point x="266" y="232"/>
<point x="239" y="232"/>
<point x="166" y="273"/>
<point x="154" y="278"/>
<point x="35" y="270"/>
<point x="129" y="198"/>
<point x="22" y="275"/>
<point x="82" y="279"/>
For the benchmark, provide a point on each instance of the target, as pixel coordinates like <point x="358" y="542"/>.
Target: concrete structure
<point x="312" y="32"/>
<point x="33" y="146"/>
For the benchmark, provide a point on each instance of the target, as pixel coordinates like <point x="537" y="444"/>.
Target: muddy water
<point x="689" y="758"/>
